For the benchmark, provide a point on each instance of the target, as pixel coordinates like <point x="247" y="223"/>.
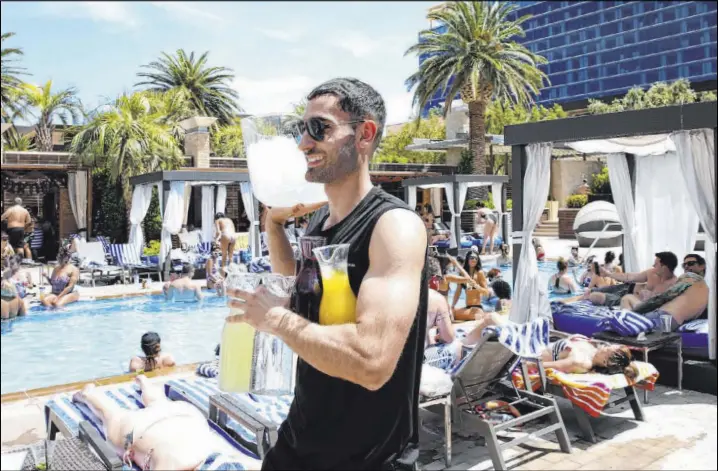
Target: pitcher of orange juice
<point x="338" y="304"/>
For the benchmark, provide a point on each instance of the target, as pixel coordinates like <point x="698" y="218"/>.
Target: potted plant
<point x="600" y="187"/>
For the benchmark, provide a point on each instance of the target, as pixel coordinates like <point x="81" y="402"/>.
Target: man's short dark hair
<point x="668" y="259"/>
<point x="502" y="289"/>
<point x="357" y="98"/>
<point x="699" y="259"/>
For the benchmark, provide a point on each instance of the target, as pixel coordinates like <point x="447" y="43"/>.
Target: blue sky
<point x="278" y="50"/>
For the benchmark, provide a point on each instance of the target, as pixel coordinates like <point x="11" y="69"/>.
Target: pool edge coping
<point x="105" y="381"/>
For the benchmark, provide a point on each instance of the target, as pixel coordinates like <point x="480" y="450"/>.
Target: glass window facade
<point x="597" y="49"/>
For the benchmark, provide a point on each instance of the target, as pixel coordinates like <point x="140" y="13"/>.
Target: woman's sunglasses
<point x="317" y="128"/>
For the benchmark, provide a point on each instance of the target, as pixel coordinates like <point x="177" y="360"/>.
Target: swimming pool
<point x="94" y="339"/>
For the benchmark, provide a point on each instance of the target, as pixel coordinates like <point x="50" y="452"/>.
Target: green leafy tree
<point x="47" y="106"/>
<point x="392" y="147"/>
<point x="466" y="162"/>
<point x="17" y="142"/>
<point x="227" y="141"/>
<point x="152" y="224"/>
<point x="659" y="94"/>
<point x="109" y="216"/>
<point x="10" y="84"/>
<point x="480" y="54"/>
<point x="209" y="88"/>
<point x="128" y="138"/>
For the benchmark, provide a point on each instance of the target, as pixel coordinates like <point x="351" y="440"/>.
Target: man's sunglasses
<point x="317" y="128"/>
<point x="690" y="263"/>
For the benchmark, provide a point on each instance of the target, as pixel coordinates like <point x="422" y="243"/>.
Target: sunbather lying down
<point x="164" y="435"/>
<point x="575" y="354"/>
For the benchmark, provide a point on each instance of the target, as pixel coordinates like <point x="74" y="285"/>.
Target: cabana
<point x="662" y="167"/>
<point x="175" y="186"/>
<point x="455" y="187"/>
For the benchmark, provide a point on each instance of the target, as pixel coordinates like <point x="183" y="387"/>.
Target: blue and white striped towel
<point x="627" y="323"/>
<point x="525" y="340"/>
<point x="209" y="369"/>
<point x="698" y="326"/>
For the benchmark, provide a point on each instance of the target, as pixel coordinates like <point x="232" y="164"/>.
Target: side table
<point x="653" y="341"/>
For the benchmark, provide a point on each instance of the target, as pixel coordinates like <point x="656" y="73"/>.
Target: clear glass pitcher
<point x="252" y="361"/>
<point x="338" y="304"/>
<point x="308" y="274"/>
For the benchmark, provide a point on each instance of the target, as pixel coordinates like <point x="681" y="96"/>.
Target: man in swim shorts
<point x="19" y="223"/>
<point x="225" y="236"/>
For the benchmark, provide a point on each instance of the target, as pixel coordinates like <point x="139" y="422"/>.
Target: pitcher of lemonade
<point x="338" y="304"/>
<point x="252" y="361"/>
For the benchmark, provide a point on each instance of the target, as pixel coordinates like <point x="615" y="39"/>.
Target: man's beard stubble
<point x="347" y="162"/>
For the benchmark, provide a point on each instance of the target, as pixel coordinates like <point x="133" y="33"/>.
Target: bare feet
<point x="81" y="396"/>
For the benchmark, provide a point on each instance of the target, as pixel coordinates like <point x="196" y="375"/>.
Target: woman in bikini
<point x="574" y="354"/>
<point x="154" y="357"/>
<point x="225" y="236"/>
<point x="598" y="281"/>
<point x="215" y="279"/>
<point x="475" y="285"/>
<point x="562" y="282"/>
<point x="490" y="220"/>
<point x="63" y="281"/>
<point x="12" y="302"/>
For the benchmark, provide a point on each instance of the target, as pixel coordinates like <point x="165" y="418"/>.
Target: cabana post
<point x="676" y="120"/>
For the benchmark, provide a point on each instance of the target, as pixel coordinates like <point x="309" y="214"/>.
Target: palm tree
<point x="477" y="59"/>
<point x="47" y="106"/>
<point x="10" y="82"/>
<point x="209" y="88"/>
<point x="129" y="137"/>
<point x="227" y="141"/>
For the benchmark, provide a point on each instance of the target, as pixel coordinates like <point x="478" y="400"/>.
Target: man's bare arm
<point x="5" y="215"/>
<point x="366" y="353"/>
<point x="631" y="277"/>
<point x="281" y="255"/>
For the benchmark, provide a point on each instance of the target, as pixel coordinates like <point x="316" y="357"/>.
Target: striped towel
<point x="590" y="391"/>
<point x="627" y="323"/>
<point x="525" y="340"/>
<point x="209" y="369"/>
<point x="129" y="397"/>
<point x="699" y="326"/>
<point x="580" y="309"/>
<point x="198" y="391"/>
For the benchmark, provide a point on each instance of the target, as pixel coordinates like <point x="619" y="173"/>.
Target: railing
<point x="59" y="159"/>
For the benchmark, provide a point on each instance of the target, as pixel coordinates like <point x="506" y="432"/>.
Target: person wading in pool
<point x="154" y="356"/>
<point x="19" y="223"/>
<point x="356" y="397"/>
<point x="63" y="281"/>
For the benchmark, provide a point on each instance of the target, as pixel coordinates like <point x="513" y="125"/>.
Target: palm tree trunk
<point x="477" y="134"/>
<point x="44" y="137"/>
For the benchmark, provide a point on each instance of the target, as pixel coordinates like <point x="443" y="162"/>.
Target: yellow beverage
<point x="338" y="305"/>
<point x="235" y="360"/>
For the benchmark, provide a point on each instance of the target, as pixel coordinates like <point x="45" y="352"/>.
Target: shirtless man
<point x="657" y="279"/>
<point x="182" y="285"/>
<point x="685" y="307"/>
<point x="694" y="263"/>
<point x="225" y="236"/>
<point x="19" y="222"/>
<point x="164" y="435"/>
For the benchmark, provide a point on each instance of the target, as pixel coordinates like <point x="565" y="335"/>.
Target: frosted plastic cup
<point x="666" y="321"/>
<point x="241" y="280"/>
<point x="279" y="285"/>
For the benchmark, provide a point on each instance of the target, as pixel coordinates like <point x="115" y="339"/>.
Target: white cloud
<point x="272" y="94"/>
<point x="361" y="45"/>
<point x="187" y="12"/>
<point x="119" y="13"/>
<point x="398" y="107"/>
<point x="287" y="35"/>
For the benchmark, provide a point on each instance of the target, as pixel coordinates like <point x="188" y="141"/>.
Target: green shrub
<point x="152" y="248"/>
<point x="509" y="204"/>
<point x="466" y="164"/>
<point x="471" y="204"/>
<point x="601" y="185"/>
<point x="109" y="214"/>
<point x="576" y="201"/>
<point x="152" y="224"/>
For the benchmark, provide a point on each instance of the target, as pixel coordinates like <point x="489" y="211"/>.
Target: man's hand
<point x="256" y="306"/>
<point x="281" y="215"/>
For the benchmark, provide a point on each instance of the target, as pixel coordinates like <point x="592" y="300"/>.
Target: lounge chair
<point x="250" y="419"/>
<point x="126" y="256"/>
<point x="482" y="376"/>
<point x="94" y="261"/>
<point x="589" y="393"/>
<point x="73" y="419"/>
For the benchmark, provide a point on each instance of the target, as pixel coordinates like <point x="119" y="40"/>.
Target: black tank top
<point x="336" y="424"/>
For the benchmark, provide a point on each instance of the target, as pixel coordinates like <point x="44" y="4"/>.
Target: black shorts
<point x="16" y="237"/>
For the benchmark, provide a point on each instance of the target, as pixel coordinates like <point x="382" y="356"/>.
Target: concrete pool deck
<point x="679" y="433"/>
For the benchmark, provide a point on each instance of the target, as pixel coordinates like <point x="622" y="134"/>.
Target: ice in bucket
<point x="276" y="166"/>
<point x="252" y="361"/>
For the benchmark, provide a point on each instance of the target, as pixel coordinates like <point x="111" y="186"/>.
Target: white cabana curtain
<point x="664" y="211"/>
<point x="696" y="154"/>
<point x="496" y="189"/>
<point x="221" y="204"/>
<point x="657" y="144"/>
<point x="77" y="192"/>
<point x="455" y="216"/>
<point x="207" y="213"/>
<point x="621" y="188"/>
<point x="173" y="217"/>
<point x="412" y="197"/>
<point x="245" y="189"/>
<point x="530" y="297"/>
<point x="141" y="198"/>
<point x="436" y="202"/>
<point x="187" y="198"/>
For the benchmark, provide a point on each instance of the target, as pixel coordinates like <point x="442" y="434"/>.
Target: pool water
<point x="94" y="339"/>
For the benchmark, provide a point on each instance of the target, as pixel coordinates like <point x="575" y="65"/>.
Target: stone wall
<point x="566" y="216"/>
<point x="567" y="175"/>
<point x="196" y="144"/>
